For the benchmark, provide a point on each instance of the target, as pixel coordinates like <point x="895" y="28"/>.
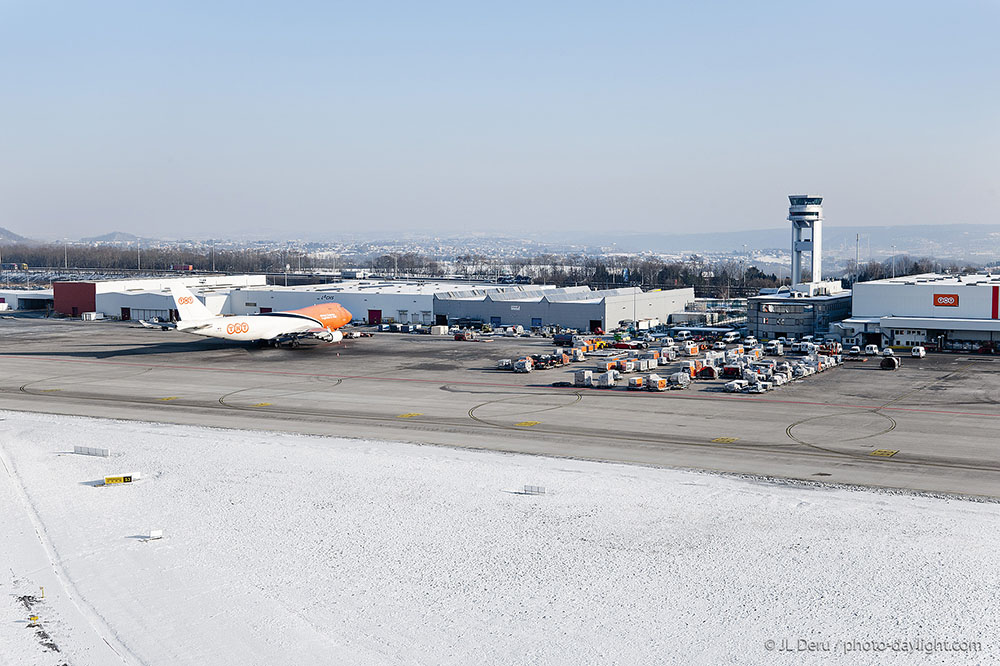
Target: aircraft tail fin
<point x="188" y="306"/>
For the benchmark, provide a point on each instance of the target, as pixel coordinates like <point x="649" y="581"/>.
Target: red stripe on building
<point x="996" y="302"/>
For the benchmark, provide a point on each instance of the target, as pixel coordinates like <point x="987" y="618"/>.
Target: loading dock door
<point x="126" y="314"/>
<point x="374" y="316"/>
<point x="494" y="321"/>
<point x="595" y="324"/>
<point x="441" y="320"/>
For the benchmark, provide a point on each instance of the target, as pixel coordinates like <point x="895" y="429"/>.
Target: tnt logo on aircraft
<point x="237" y="328"/>
<point x="185" y="300"/>
<point x="946" y="300"/>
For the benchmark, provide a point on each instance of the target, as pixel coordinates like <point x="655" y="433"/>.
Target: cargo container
<point x="583" y="378"/>
<point x="656" y="383"/>
<point x="679" y="380"/>
<point x="890" y="363"/>
<point x="708" y="372"/>
<point x="626" y="365"/>
<point x="636" y="383"/>
<point x="607" y="379"/>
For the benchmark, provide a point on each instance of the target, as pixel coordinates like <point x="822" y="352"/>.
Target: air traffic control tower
<point x="805" y="212"/>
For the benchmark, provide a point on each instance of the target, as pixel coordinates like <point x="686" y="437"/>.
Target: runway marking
<point x="527" y="424"/>
<point x="409" y="415"/>
<point x="50" y="390"/>
<point x="885" y="453"/>
<point x="262" y="404"/>
<point x="658" y="396"/>
<point x="171" y="397"/>
<point x="725" y="440"/>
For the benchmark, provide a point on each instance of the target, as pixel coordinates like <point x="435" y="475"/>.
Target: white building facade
<point x="960" y="312"/>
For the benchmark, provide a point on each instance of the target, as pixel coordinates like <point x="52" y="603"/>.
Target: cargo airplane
<point x="315" y="321"/>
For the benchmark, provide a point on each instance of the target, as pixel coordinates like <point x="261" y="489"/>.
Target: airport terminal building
<point x="957" y="312"/>
<point x="803" y="309"/>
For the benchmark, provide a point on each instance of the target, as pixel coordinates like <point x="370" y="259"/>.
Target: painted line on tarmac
<point x="671" y="396"/>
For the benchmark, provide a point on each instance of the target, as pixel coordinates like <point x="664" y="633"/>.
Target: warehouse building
<point x="569" y="307"/>
<point x="958" y="312"/>
<point x="370" y="301"/>
<point x="25" y="299"/>
<point x="144" y="298"/>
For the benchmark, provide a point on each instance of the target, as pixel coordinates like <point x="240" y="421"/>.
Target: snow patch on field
<point x="284" y="548"/>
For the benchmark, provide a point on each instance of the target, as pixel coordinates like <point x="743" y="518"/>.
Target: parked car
<point x="871" y="350"/>
<point x="918" y="352"/>
<point x="719" y="345"/>
<point x="888" y="352"/>
<point x="855" y="350"/>
<point x="749" y="341"/>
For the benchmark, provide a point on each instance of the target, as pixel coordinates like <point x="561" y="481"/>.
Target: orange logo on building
<point x="237" y="328"/>
<point x="185" y="300"/>
<point x="946" y="300"/>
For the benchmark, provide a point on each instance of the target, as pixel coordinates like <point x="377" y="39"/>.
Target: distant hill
<point x="115" y="237"/>
<point x="961" y="241"/>
<point x="8" y="236"/>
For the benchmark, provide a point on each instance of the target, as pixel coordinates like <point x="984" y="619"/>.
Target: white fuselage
<point x="247" y="328"/>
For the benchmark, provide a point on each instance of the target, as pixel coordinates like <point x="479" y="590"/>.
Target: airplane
<point x="319" y="321"/>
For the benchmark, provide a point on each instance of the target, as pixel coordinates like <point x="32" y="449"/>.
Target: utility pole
<point x="893" y="260"/>
<point x="65" y="254"/>
<point x="213" y="256"/>
<point x="138" y="258"/>
<point x="857" y="258"/>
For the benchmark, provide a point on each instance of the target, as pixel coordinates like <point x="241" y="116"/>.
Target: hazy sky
<point x="176" y="118"/>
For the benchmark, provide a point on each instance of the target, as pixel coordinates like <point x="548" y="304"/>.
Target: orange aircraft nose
<point x="345" y="317"/>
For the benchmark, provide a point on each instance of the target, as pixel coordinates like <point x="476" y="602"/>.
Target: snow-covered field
<point x="307" y="550"/>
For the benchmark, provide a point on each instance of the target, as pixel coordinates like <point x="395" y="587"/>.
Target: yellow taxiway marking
<point x="171" y="397"/>
<point x="527" y="424"/>
<point x="262" y="404"/>
<point x="885" y="453"/>
<point x="409" y="415"/>
<point x="725" y="440"/>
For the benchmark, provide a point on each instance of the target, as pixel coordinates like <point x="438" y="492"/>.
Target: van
<point x="682" y="335"/>
<point x="871" y="350"/>
<point x="731" y="336"/>
<point x="918" y="352"/>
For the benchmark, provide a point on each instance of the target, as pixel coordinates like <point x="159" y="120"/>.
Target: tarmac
<point x="932" y="426"/>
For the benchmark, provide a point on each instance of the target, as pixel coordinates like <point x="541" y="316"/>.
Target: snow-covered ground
<point x="307" y="550"/>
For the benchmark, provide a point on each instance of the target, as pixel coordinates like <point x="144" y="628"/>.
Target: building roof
<point x="410" y="287"/>
<point x="940" y="279"/>
<point x="787" y="296"/>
